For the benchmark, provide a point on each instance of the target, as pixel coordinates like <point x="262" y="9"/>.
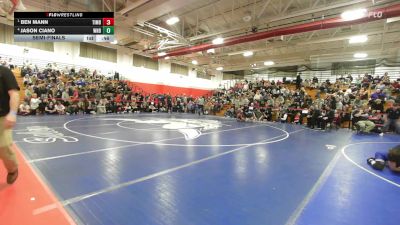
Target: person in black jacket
<point x="327" y="118"/>
<point x="298" y="81"/>
<point x="392" y="118"/>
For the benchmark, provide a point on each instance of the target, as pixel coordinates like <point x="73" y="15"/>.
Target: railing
<point x="394" y="74"/>
<point x="42" y="64"/>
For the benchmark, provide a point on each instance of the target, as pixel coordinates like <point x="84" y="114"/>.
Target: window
<point x="146" y="62"/>
<point x="93" y="51"/>
<point x="179" y="69"/>
<point x="203" y="74"/>
<point x="7" y="37"/>
<point x="356" y="67"/>
<point x="233" y="75"/>
<point x="289" y="72"/>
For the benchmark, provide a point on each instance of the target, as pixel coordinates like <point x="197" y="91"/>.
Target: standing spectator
<point x="200" y="105"/>
<point x="298" y="81"/>
<point x="9" y="97"/>
<point x="391" y="118"/>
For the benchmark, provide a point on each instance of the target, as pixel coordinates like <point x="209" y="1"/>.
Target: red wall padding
<point x="166" y="89"/>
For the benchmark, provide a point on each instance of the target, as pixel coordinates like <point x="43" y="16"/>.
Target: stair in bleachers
<point x="20" y="81"/>
<point x="223" y="110"/>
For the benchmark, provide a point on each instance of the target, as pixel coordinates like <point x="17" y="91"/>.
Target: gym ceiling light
<point x="218" y="41"/>
<point x="354" y="14"/>
<point x="269" y="63"/>
<point x="360" y="55"/>
<point x="161" y="54"/>
<point x="211" y="51"/>
<point x="248" y="54"/>
<point x="358" y="39"/>
<point x="172" y="20"/>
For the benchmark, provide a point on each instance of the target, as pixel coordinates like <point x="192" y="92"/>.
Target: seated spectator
<point x="337" y="119"/>
<point x="364" y="124"/>
<point x="72" y="108"/>
<point x="326" y="118"/>
<point x="101" y="106"/>
<point x="50" y="108"/>
<point x="90" y="107"/>
<point x="127" y="108"/>
<point x="359" y="114"/>
<point x="135" y="107"/>
<point x="249" y="112"/>
<point x="312" y="119"/>
<point x="230" y="112"/>
<point x="240" y="114"/>
<point x="377" y="105"/>
<point x="152" y="108"/>
<point x="42" y="106"/>
<point x="386" y="78"/>
<point x="27" y="80"/>
<point x="378" y="95"/>
<point x="60" y="108"/>
<point x="284" y="116"/>
<point x="296" y="118"/>
<point x="396" y="88"/>
<point x="34" y="104"/>
<point x="24" y="109"/>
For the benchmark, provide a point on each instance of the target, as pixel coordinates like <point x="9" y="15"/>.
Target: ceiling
<point x="141" y="29"/>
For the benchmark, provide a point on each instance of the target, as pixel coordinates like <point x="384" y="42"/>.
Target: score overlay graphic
<point x="64" y="26"/>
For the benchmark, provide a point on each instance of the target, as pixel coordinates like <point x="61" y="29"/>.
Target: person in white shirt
<point x="34" y="104"/>
<point x="101" y="107"/>
<point x="257" y="96"/>
<point x="60" y="108"/>
<point x="24" y="109"/>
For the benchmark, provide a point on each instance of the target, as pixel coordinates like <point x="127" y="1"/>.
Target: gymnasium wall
<point x="166" y="89"/>
<point x="66" y="54"/>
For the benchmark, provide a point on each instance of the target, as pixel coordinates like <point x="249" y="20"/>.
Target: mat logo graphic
<point x="330" y="147"/>
<point x="190" y="128"/>
<point x="43" y="135"/>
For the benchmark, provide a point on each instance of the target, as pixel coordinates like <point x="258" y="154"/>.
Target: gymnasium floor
<point x="179" y="169"/>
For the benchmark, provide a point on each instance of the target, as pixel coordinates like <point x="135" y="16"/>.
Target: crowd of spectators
<point x="6" y="62"/>
<point x="66" y="91"/>
<point x="367" y="103"/>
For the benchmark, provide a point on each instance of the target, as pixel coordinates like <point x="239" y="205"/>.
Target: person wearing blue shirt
<point x="390" y="159"/>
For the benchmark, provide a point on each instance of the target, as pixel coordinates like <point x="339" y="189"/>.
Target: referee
<point x="9" y="98"/>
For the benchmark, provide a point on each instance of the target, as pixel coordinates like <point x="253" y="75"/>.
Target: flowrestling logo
<point x="190" y="128"/>
<point x="44" y="135"/>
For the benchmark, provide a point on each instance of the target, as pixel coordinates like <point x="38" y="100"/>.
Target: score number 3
<point x="108" y="21"/>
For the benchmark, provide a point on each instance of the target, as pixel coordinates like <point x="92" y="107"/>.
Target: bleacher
<point x="19" y="61"/>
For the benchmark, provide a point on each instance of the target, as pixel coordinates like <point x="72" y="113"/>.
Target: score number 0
<point x="108" y="25"/>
